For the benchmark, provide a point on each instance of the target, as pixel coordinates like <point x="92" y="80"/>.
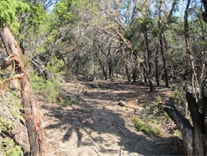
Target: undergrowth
<point x="154" y="115"/>
<point x="49" y="88"/>
<point x="9" y="147"/>
<point x="10" y="113"/>
<point x="67" y="100"/>
<point x="147" y="128"/>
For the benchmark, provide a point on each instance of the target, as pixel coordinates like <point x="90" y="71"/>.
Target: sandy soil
<point x="99" y="125"/>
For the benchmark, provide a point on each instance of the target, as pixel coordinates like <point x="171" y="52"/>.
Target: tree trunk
<point x="204" y="14"/>
<point x="161" y="44"/>
<point x="195" y="135"/>
<point x="148" y="52"/>
<point x="135" y="66"/>
<point x="110" y="63"/>
<point x="148" y="78"/>
<point x="195" y="82"/>
<point x="157" y="68"/>
<point x="31" y="114"/>
<point x="102" y="67"/>
<point x="126" y="65"/>
<point x="147" y="63"/>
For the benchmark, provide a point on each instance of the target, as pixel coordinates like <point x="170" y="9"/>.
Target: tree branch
<point x="182" y="123"/>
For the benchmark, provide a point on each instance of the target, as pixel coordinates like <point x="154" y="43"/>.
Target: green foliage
<point x="145" y="21"/>
<point x="47" y="88"/>
<point x="155" y="32"/>
<point x="156" y="115"/>
<point x="9" y="114"/>
<point x="9" y="10"/>
<point x="5" y="125"/>
<point x="128" y="33"/>
<point x="51" y="37"/>
<point x="179" y="100"/>
<point x="56" y="66"/>
<point x="65" y="101"/>
<point x="38" y="15"/>
<point x="14" y="151"/>
<point x="63" y="10"/>
<point x="174" y="19"/>
<point x="147" y="128"/>
<point x="50" y="88"/>
<point x="9" y="148"/>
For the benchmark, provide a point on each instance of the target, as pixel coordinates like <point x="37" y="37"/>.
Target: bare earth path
<point x="98" y="126"/>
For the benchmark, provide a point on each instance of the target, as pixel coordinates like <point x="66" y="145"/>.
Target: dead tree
<point x="194" y="133"/>
<point x="30" y="107"/>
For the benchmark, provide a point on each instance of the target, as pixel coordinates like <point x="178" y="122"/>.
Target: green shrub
<point x="9" y="147"/>
<point x="47" y="88"/>
<point x="69" y="101"/>
<point x="51" y="87"/>
<point x="14" y="151"/>
<point x="145" y="127"/>
<point x="5" y="125"/>
<point x="9" y="114"/>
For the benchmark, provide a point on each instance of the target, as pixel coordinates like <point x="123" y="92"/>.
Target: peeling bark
<point x="30" y="106"/>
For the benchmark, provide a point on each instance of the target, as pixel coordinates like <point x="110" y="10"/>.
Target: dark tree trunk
<point x="103" y="71"/>
<point x="77" y="64"/>
<point x="148" y="78"/>
<point x="162" y="45"/>
<point x="145" y="78"/>
<point x="127" y="72"/>
<point x="134" y="75"/>
<point x="148" y="51"/>
<point x="183" y="125"/>
<point x="164" y="64"/>
<point x="110" y="64"/>
<point x="135" y="66"/>
<point x="110" y="69"/>
<point x="126" y="65"/>
<point x="156" y="67"/>
<point x="102" y="67"/>
<point x="204" y="14"/>
<point x="32" y="119"/>
<point x="195" y="135"/>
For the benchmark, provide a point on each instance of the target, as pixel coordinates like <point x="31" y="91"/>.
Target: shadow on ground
<point x="106" y="129"/>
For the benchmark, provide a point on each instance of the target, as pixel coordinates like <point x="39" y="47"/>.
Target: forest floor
<point x="99" y="125"/>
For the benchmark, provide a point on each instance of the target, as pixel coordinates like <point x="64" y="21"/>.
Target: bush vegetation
<point x="146" y="127"/>
<point x="10" y="113"/>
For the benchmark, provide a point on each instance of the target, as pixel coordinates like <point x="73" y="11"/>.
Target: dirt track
<point x="98" y="126"/>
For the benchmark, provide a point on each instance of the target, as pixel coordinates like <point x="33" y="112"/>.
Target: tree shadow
<point x="116" y="91"/>
<point x="105" y="128"/>
<point x="121" y="85"/>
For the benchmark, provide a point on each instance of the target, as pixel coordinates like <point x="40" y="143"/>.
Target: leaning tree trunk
<point x="195" y="135"/>
<point x="30" y="107"/>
